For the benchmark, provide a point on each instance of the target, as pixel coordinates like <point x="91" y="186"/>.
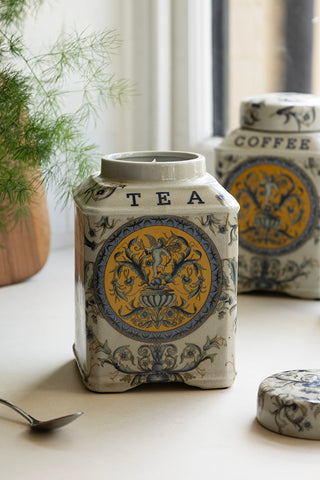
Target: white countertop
<point x="155" y="431"/>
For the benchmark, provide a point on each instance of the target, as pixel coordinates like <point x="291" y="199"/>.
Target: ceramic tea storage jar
<point x="156" y="272"/>
<point x="272" y="167"/>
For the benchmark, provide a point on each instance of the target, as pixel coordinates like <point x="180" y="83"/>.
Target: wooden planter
<point x="26" y="247"/>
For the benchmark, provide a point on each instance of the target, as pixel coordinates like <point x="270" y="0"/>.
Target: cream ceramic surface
<point x="289" y="403"/>
<point x="282" y="112"/>
<point x="275" y="176"/>
<point x="156" y="273"/>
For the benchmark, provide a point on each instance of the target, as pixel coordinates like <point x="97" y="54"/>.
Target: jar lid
<point x="281" y="112"/>
<point x="289" y="403"/>
<point x="152" y="166"/>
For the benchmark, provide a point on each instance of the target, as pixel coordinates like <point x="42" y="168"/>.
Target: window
<point x="261" y="46"/>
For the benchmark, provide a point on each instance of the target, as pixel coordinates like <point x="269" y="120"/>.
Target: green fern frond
<point x="15" y="11"/>
<point x="39" y="141"/>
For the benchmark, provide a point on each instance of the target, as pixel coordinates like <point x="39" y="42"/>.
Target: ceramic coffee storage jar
<point x="156" y="272"/>
<point x="272" y="167"/>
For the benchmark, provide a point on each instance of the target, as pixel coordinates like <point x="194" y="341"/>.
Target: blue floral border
<point x="137" y="224"/>
<point x="313" y="196"/>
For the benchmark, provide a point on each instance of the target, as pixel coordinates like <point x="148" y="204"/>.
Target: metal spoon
<point x="46" y="424"/>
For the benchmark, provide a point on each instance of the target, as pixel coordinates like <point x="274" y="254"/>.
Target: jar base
<point x="105" y="384"/>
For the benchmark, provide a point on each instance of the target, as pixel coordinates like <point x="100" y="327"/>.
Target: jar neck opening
<point x="152" y="166"/>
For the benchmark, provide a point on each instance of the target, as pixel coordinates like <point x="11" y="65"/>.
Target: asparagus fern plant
<point x="39" y="141"/>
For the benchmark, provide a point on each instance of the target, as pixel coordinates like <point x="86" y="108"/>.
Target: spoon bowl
<point x="42" y="425"/>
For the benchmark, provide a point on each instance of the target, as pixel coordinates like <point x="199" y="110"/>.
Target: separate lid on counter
<point x="281" y="112"/>
<point x="289" y="403"/>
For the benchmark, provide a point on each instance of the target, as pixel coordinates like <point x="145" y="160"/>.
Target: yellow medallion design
<point x="278" y="205"/>
<point x="158" y="278"/>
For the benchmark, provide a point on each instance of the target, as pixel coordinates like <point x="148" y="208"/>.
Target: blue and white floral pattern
<point x="117" y="362"/>
<point x="289" y="403"/>
<point x="154" y="363"/>
<point x="271" y="274"/>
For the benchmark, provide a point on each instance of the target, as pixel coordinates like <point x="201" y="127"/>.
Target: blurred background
<point x="191" y="63"/>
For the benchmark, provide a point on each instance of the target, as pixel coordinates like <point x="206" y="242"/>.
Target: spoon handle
<point x="18" y="410"/>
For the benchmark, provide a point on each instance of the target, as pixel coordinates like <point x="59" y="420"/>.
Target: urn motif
<point x="156" y="247"/>
<point x="271" y="165"/>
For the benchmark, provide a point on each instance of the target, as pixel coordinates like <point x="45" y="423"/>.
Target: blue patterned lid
<point x="289" y="403"/>
<point x="281" y="112"/>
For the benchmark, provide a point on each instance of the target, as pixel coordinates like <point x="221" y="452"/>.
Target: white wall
<point x="55" y="17"/>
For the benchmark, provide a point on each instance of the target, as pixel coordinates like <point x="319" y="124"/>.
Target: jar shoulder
<point x="203" y="193"/>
